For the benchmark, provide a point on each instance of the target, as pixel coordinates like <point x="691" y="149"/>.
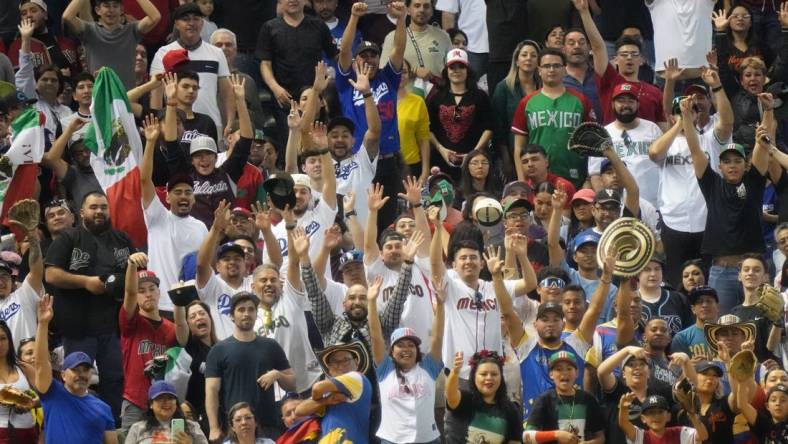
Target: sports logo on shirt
<point x="79" y="259"/>
<point x="223" y="304"/>
<point x="9" y="312"/>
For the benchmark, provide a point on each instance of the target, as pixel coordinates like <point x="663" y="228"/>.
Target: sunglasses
<point x="552" y="282"/>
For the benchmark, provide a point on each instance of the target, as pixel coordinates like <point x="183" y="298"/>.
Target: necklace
<point x="572" y="408"/>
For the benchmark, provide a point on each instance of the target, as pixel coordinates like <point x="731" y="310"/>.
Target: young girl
<point x="655" y="414"/>
<point x="208" y="27"/>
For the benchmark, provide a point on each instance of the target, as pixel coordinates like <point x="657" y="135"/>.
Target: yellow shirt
<point x="413" y="123"/>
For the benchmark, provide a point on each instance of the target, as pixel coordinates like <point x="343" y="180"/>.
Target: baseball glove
<point x="742" y="366"/>
<point x="590" y="139"/>
<point x="770" y="303"/>
<point x="25" y="213"/>
<point x="685" y="395"/>
<point x="11" y="396"/>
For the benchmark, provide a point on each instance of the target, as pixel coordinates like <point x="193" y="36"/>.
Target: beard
<point x="625" y="116"/>
<point x="95" y="226"/>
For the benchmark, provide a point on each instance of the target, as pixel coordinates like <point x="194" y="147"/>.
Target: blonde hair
<point x="511" y="77"/>
<point x="752" y="62"/>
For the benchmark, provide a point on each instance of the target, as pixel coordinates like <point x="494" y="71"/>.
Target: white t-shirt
<point x="417" y="311"/>
<point x="471" y="20"/>
<point x="210" y="64"/>
<point x="315" y="222"/>
<point x="217" y="294"/>
<point x="467" y="328"/>
<point x="19" y="311"/>
<point x="80" y="133"/>
<point x="355" y="174"/>
<point x="686" y="436"/>
<point x="681" y="202"/>
<point x="335" y="293"/>
<point x="526" y="309"/>
<point x="682" y="29"/>
<point x="290" y="332"/>
<point x="633" y="150"/>
<point x="170" y="239"/>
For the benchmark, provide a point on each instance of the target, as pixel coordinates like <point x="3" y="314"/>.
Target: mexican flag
<point x="113" y="139"/>
<point x="19" y="165"/>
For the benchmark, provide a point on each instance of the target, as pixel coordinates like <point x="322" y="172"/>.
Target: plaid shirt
<point x="336" y="329"/>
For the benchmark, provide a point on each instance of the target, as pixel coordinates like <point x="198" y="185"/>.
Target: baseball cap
<point x="702" y="366"/>
<point x="186" y="9"/>
<point x="733" y="148"/>
<point x="457" y="55"/>
<point x="511" y="202"/>
<point x="259" y="134"/>
<point x="366" y="45"/>
<point x="13" y="100"/>
<point x="697" y="292"/>
<point x="404" y="333"/>
<point x="606" y="195"/>
<point x="75" y="359"/>
<point x="563" y="356"/>
<point x="655" y="402"/>
<point x="351" y="257"/>
<point x="696" y="88"/>
<point x="389" y="234"/>
<point x="7" y="268"/>
<point x="40" y="3"/>
<point x="630" y="359"/>
<point x="549" y="307"/>
<point x="241" y="211"/>
<point x="777" y="388"/>
<point x="174" y="58"/>
<point x="582" y="239"/>
<point x="340" y="121"/>
<point x="516" y="186"/>
<point x="241" y="297"/>
<point x="11" y="259"/>
<point x="626" y="88"/>
<point x="202" y="143"/>
<point x="659" y="258"/>
<point x="178" y="179"/>
<point x="488" y="211"/>
<point x="159" y="388"/>
<point x="228" y="247"/>
<point x="301" y="180"/>
<point x="586" y="195"/>
<point x="147" y="276"/>
<point x="279" y="187"/>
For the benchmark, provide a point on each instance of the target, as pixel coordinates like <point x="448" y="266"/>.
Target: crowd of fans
<point x="364" y="224"/>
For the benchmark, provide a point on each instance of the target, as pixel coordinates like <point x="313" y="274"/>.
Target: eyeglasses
<point x="517" y="216"/>
<point x="740" y="17"/>
<point x="628" y="54"/>
<point x="339" y="362"/>
<point x="551" y="66"/>
<point x="609" y="208"/>
<point x="477" y="163"/>
<point x="552" y="282"/>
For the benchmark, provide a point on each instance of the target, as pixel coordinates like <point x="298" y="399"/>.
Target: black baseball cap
<point x="229" y="247"/>
<point x="549" y="307"/>
<point x="606" y="195"/>
<point x="340" y="121"/>
<point x="655" y="402"/>
<point x="366" y="45"/>
<point x="186" y="9"/>
<point x="697" y="292"/>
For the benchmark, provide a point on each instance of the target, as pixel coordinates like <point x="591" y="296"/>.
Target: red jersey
<point x="556" y="181"/>
<point x="649" y="97"/>
<point x="41" y="55"/>
<point x="140" y="342"/>
<point x="159" y="32"/>
<point x="250" y="182"/>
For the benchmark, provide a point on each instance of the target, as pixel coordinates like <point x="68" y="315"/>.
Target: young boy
<point x="564" y="412"/>
<point x="655" y="414"/>
<point x="772" y="426"/>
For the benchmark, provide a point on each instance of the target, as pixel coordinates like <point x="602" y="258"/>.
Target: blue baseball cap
<point x="351" y="257"/>
<point x="404" y="333"/>
<point x="75" y="359"/>
<point x="159" y="388"/>
<point x="582" y="239"/>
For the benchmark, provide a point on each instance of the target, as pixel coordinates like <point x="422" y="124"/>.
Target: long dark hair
<point x="207" y="309"/>
<point x="152" y="423"/>
<point x="484" y="357"/>
<point x="470" y="81"/>
<point x="10" y="357"/>
<point x="491" y="184"/>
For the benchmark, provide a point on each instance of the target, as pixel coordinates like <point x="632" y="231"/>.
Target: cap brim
<point x="356" y="348"/>
<point x="567" y="360"/>
<point x="710" y="332"/>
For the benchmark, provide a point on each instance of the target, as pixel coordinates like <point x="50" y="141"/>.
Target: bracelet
<point x="369" y="94"/>
<point x="605" y="282"/>
<point x="172" y="103"/>
<point x="289" y="227"/>
<point x="417" y="205"/>
<point x="719" y="88"/>
<point x="407" y="262"/>
<point x="351" y="213"/>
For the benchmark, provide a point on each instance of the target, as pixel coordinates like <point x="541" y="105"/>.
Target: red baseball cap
<point x="626" y="88"/>
<point x="174" y="58"/>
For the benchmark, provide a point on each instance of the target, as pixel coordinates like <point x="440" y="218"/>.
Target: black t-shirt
<point x="195" y="392"/>
<point x="770" y="431"/>
<point x="580" y="412"/>
<point x="294" y="51"/>
<point x="718" y="420"/>
<point x="763" y="327"/>
<point x="613" y="433"/>
<point x="480" y="422"/>
<point x="507" y="25"/>
<point x="243" y="17"/>
<point x="672" y="308"/>
<point x="78" y="312"/>
<point x="239" y="365"/>
<point x="734" y="214"/>
<point x="781" y="188"/>
<point x="619" y="14"/>
<point x="199" y="125"/>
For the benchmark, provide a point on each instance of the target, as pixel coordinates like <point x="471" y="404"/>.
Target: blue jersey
<point x="604" y="344"/>
<point x="348" y="421"/>
<point x="384" y="91"/>
<point x="74" y="419"/>
<point x="693" y="342"/>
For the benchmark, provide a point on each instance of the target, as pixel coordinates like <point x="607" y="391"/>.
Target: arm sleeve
<point x="499" y="99"/>
<point x="537" y="419"/>
<point x="321" y="309"/>
<point x="329" y="48"/>
<point x="519" y="122"/>
<point x="24" y="78"/>
<point x="727" y="76"/>
<point x="350" y="384"/>
<point x="234" y="166"/>
<point x="59" y="252"/>
<point x="213" y="365"/>
<point x="393" y="312"/>
<point x="433" y="108"/>
<point x="707" y="181"/>
<point x="177" y="162"/>
<point x="688" y="435"/>
<point x="514" y="424"/>
<point x="264" y="51"/>
<point x="279" y="361"/>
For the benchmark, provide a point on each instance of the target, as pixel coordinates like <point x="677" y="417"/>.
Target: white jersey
<point x="473" y="319"/>
<point x="417" y="313"/>
<point x="315" y="222"/>
<point x="288" y="327"/>
<point x="19" y="312"/>
<point x="355" y="174"/>
<point x="170" y="239"/>
<point x="632" y="148"/>
<point x="217" y="294"/>
<point x="211" y="65"/>
<point x="335" y="293"/>
<point x="681" y="202"/>
<point x="682" y="29"/>
<point x="471" y="20"/>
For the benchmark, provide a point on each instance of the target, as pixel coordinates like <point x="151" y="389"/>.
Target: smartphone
<point x="177" y="425"/>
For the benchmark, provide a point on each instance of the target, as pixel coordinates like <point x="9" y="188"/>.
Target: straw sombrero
<point x="356" y="348"/>
<point x="635" y="244"/>
<point x="710" y="330"/>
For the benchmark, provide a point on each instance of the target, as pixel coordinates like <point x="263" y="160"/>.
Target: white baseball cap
<point x="40" y="3"/>
<point x="301" y="180"/>
<point x="202" y="143"/>
<point x="457" y="55"/>
<point x="488" y="211"/>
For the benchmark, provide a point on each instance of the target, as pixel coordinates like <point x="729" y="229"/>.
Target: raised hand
<point x="376" y="200"/>
<point x="26" y="29"/>
<point x="581" y="5"/>
<point x="433" y="215"/>
<point x="237" y="82"/>
<point x="711" y="77"/>
<point x="262" y="217"/>
<point x="410" y="248"/>
<point x="288" y="216"/>
<point x="333" y="237"/>
<point x="762" y="134"/>
<point x="374" y="289"/>
<point x="711" y="57"/>
<point x="516" y="243"/>
<point x="766" y="100"/>
<point x="321" y="77"/>
<point x="138" y="260"/>
<point x="721" y="20"/>
<point x="638" y="352"/>
<point x="221" y="216"/>
<point x="294" y="117"/>
<point x="412" y="190"/>
<point x="349" y="202"/>
<point x="359" y="9"/>
<point x="318" y="134"/>
<point x="672" y="70"/>
<point x="150" y="126"/>
<point x="723" y="352"/>
<point x="439" y="285"/>
<point x="459" y="360"/>
<point x="678" y="359"/>
<point x="784" y="15"/>
<point x="610" y="260"/>
<point x="170" y="82"/>
<point x="493" y="258"/>
<point x="361" y="84"/>
<point x="397" y="9"/>
<point x="559" y="198"/>
<point x="626" y="401"/>
<point x="300" y="242"/>
<point x="686" y="107"/>
<point x="76" y="124"/>
<point x="45" y="312"/>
